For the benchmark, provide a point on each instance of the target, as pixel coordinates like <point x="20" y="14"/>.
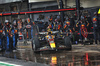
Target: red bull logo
<point x="94" y="19"/>
<point x="70" y="31"/>
<point x="59" y="26"/>
<point x="50" y="26"/>
<point x="82" y="26"/>
<point x="68" y="23"/>
<point x="15" y="31"/>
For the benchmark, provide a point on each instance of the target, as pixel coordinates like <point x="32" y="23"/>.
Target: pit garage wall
<point x="8" y="1"/>
<point x="72" y="4"/>
<point x="46" y="16"/>
<point x="21" y="6"/>
<point x="83" y="3"/>
<point x="45" y="6"/>
<point x="32" y="1"/>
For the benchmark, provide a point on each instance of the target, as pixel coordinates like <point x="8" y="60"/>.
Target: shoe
<point x="14" y="50"/>
<point x="80" y="40"/>
<point x="0" y="49"/>
<point x="76" y="42"/>
<point x="96" y="44"/>
<point x="85" y="39"/>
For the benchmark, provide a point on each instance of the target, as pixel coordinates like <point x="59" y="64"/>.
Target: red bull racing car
<point x="48" y="41"/>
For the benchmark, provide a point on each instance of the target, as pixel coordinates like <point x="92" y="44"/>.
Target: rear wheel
<point x="35" y="41"/>
<point x="35" y="44"/>
<point x="68" y="42"/>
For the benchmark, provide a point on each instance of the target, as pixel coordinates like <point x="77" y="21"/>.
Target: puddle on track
<point x="64" y="58"/>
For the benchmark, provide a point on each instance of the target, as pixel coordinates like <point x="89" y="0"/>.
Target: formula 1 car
<point x="48" y="41"/>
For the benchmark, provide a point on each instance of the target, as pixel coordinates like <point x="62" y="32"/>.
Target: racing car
<point x="51" y="41"/>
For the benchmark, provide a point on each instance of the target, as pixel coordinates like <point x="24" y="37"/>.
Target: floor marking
<point x="8" y="64"/>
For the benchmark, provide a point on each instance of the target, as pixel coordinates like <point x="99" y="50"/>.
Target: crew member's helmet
<point x="95" y="13"/>
<point x="58" y="17"/>
<point x="6" y="21"/>
<point x="14" y="22"/>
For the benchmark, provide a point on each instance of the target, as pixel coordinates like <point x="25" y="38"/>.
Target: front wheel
<point x="35" y="44"/>
<point x="68" y="43"/>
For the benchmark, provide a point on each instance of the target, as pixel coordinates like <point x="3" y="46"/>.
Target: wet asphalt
<point x="80" y="55"/>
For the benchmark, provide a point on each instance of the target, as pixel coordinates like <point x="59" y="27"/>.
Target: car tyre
<point x="35" y="44"/>
<point x="68" y="42"/>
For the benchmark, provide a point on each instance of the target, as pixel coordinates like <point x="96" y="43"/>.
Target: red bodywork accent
<point x="51" y="39"/>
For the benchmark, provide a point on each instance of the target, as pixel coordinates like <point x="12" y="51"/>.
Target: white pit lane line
<point x="8" y="64"/>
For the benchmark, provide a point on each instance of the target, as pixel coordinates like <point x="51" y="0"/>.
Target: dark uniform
<point x="82" y="25"/>
<point x="1" y="37"/>
<point x="15" y="34"/>
<point x="8" y="35"/>
<point x="72" y="22"/>
<point x="58" y="23"/>
<point x="54" y="26"/>
<point x="34" y="30"/>
<point x="95" y="27"/>
<point x="67" y="27"/>
<point x="28" y="29"/>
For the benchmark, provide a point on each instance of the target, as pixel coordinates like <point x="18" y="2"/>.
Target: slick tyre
<point x="35" y="44"/>
<point x="68" y="43"/>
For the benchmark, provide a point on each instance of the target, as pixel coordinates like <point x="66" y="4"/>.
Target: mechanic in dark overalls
<point x="72" y="23"/>
<point x="34" y="30"/>
<point x="80" y="24"/>
<point x="95" y="27"/>
<point x="51" y="24"/>
<point x="15" y="33"/>
<point x="67" y="27"/>
<point x="74" y="35"/>
<point x="54" y="26"/>
<point x="8" y="35"/>
<point x="28" y="28"/>
<point x="1" y="37"/>
<point x="90" y="28"/>
<point x="59" y="23"/>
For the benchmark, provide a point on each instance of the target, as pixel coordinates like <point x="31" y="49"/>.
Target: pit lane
<point x="80" y="55"/>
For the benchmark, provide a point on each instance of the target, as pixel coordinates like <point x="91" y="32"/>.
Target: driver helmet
<point x="49" y="33"/>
